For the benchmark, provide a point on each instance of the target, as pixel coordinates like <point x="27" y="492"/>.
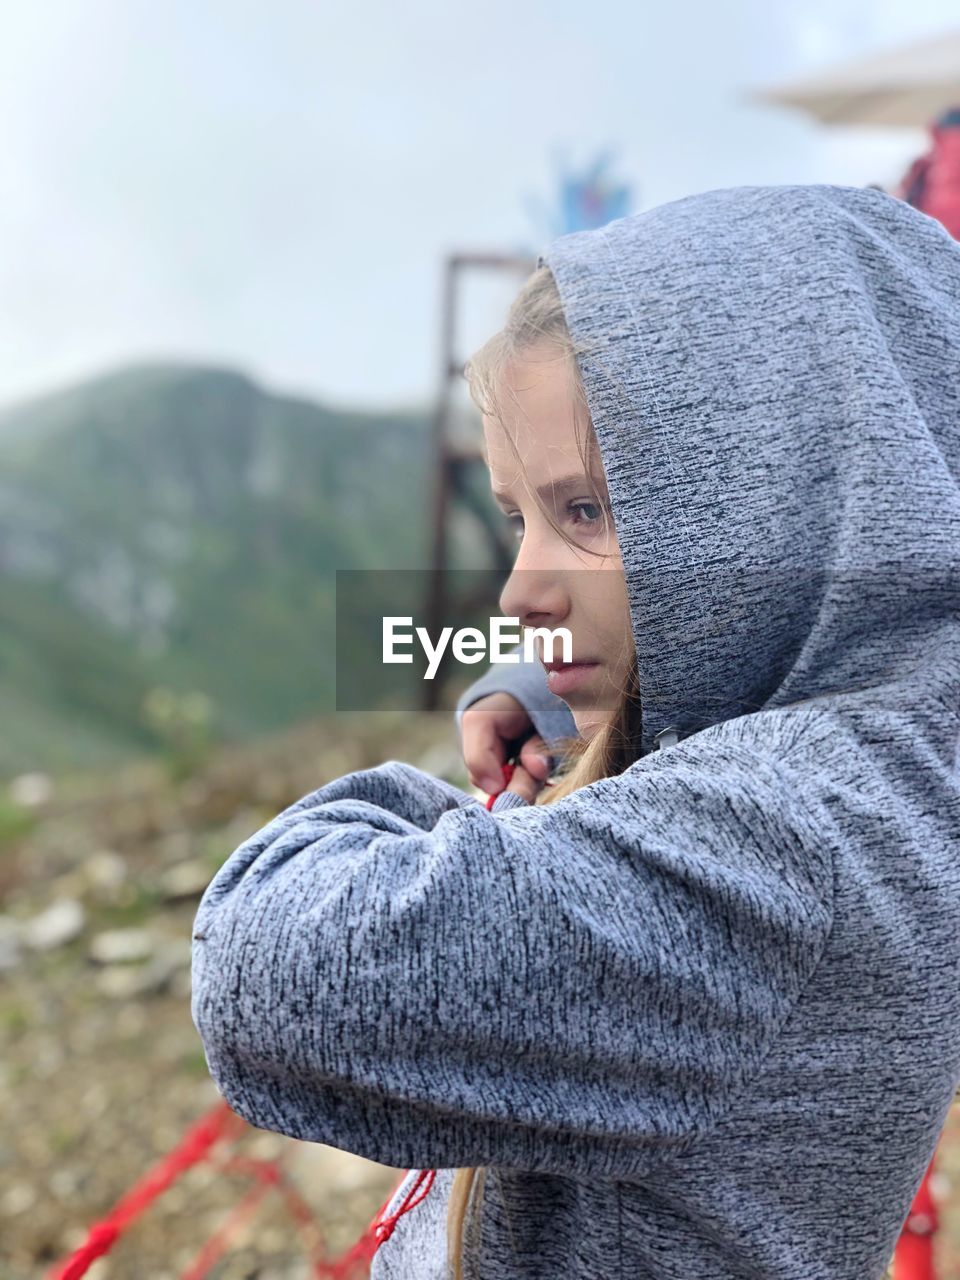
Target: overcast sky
<point x="273" y="185"/>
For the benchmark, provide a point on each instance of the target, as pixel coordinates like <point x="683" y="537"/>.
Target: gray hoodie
<point x="702" y="1019"/>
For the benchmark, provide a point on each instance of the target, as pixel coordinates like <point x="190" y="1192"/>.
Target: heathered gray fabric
<point x="702" y="1018"/>
<point x="507" y="800"/>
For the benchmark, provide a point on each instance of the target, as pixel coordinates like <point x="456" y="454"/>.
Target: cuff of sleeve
<point x="507" y="800"/>
<point x="527" y="682"/>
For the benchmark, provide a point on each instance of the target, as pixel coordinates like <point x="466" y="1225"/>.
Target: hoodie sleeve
<point x="580" y="987"/>
<point x="526" y="681"/>
<point x="507" y="800"/>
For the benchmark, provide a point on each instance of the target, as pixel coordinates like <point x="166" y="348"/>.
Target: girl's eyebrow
<point x="562" y="485"/>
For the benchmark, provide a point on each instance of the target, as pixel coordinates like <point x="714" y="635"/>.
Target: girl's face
<point x="553" y="584"/>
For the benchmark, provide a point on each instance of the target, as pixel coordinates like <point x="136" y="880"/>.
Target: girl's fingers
<point x="487" y="729"/>
<point x="484" y="750"/>
<point x="523" y="784"/>
<point x="535" y="758"/>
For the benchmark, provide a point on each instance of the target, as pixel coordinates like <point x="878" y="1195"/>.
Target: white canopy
<point x="909" y="87"/>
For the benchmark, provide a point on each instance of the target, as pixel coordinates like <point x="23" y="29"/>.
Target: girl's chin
<point x="588" y="725"/>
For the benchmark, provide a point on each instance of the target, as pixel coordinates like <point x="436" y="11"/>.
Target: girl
<point x="698" y="1015"/>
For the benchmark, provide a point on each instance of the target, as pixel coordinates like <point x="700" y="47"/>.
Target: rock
<point x="174" y="846"/>
<point x="119" y="982"/>
<point x="95" y="1100"/>
<point x="181" y="985"/>
<point x="444" y="762"/>
<point x="122" y="946"/>
<point x="316" y="1164"/>
<point x="47" y="1058"/>
<point x="185" y="880"/>
<point x="9" y="944"/>
<point x="176" y="953"/>
<point x="104" y="870"/>
<point x="126" y="981"/>
<point x="131" y="1022"/>
<point x="59" y="924"/>
<point x="31" y="789"/>
<point x="72" y="884"/>
<point x="64" y="1183"/>
<point x="17" y="1199"/>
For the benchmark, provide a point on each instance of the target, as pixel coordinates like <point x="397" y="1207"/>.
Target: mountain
<point x="172" y="526"/>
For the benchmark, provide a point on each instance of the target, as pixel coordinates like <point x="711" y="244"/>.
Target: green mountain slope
<point x="179" y="526"/>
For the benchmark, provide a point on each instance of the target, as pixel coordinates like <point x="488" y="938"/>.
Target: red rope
<point x="507" y="770"/>
<point x="269" y="1175"/>
<point x="218" y="1123"/>
<point x="380" y="1228"/>
<point x="216" y="1246"/>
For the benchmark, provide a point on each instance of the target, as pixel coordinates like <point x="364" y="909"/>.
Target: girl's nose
<point x="537" y="597"/>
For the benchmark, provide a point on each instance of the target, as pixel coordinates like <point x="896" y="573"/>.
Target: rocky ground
<point x="101" y="1069"/>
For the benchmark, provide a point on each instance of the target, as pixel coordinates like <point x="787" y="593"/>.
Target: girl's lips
<point x="563" y="678"/>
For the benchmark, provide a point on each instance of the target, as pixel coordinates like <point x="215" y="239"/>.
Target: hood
<point x="773" y="375"/>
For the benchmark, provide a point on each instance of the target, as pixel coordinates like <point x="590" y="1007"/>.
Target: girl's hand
<point x="524" y="784"/>
<point x="488" y="729"/>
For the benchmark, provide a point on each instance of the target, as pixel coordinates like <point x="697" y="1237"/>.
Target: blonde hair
<point x="536" y="318"/>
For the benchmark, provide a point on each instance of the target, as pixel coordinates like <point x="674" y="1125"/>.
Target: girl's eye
<point x="587" y="507"/>
<point x="581" y="515"/>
